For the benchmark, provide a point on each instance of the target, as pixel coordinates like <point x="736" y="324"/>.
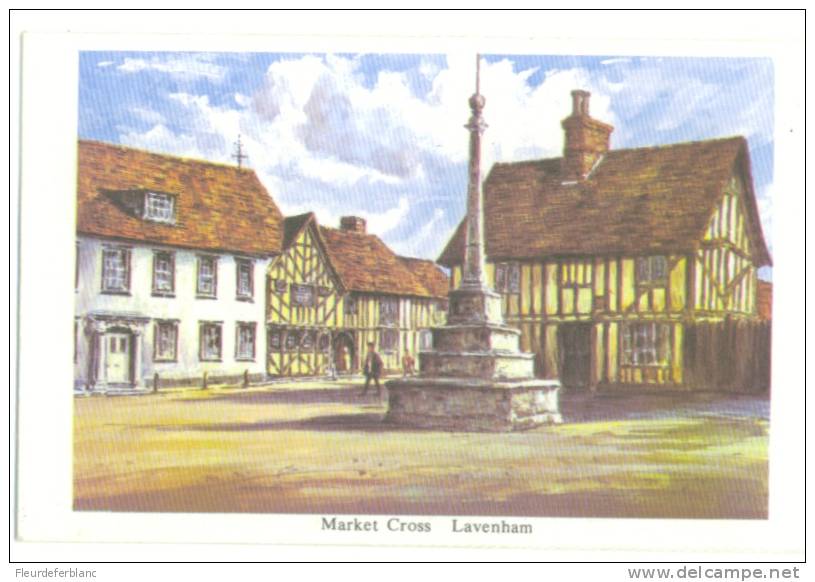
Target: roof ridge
<point x="733" y="138"/>
<point x="413" y="258"/>
<point x="298" y="216"/>
<point x="180" y="158"/>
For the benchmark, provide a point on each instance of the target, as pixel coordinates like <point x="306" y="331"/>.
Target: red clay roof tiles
<point x="635" y="201"/>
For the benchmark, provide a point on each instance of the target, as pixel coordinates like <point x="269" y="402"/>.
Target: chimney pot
<point x="580" y="102"/>
<point x="587" y="139"/>
<point x="353" y="224"/>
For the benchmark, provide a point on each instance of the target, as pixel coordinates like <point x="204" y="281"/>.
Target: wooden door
<point x="574" y="343"/>
<point x="117" y="358"/>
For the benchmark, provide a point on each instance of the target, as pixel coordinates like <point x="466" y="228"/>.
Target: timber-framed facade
<point x="188" y="273"/>
<point x="626" y="267"/>
<point x="331" y="291"/>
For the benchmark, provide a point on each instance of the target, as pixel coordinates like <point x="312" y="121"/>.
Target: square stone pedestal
<point x="475" y="378"/>
<point x="470" y="404"/>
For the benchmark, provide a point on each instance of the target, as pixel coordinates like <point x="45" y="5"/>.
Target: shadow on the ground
<point x="360" y="422"/>
<point x="586" y="406"/>
<point x="345" y="395"/>
<point x="576" y="407"/>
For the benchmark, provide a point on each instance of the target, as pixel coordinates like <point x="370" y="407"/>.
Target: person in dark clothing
<point x="373" y="370"/>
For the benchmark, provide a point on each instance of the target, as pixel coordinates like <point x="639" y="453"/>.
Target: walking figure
<point x="372" y="370"/>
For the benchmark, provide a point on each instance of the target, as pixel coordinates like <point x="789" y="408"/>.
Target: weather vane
<point x="239" y="155"/>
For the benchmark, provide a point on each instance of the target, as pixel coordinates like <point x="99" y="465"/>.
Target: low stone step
<point x="473" y="404"/>
<point x="483" y="364"/>
<point x="476" y="338"/>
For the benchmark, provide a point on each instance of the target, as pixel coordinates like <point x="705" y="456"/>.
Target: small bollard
<point x="246" y="378"/>
<point x="155" y="382"/>
<point x="204" y="382"/>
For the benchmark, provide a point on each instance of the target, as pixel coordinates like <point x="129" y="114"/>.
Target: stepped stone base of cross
<point x="475" y="378"/>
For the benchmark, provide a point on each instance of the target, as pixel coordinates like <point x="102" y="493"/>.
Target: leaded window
<point x="292" y="340"/>
<point x="165" y="347"/>
<point x="116" y="270"/>
<point x="652" y="269"/>
<point x="302" y="295"/>
<point x="207" y="284"/>
<point x="163" y="273"/>
<point x="159" y="207"/>
<point x="211" y="341"/>
<point x="245" y="345"/>
<point x="244" y="284"/>
<point x="275" y="340"/>
<point x="646" y="344"/>
<point x="388" y="311"/>
<point x="508" y="277"/>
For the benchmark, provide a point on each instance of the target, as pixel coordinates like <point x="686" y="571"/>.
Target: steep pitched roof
<point x="293" y="226"/>
<point x="218" y="207"/>
<point x="429" y="274"/>
<point x="655" y="199"/>
<point x="366" y="264"/>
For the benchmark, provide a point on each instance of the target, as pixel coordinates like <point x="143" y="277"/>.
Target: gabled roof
<point x="366" y="264"/>
<point x="429" y="274"/>
<point x="635" y="201"/>
<point x="293" y="226"/>
<point x="218" y="207"/>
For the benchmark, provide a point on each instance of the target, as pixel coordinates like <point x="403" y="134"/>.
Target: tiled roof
<point x="429" y="274"/>
<point x="293" y="225"/>
<point x="218" y="207"/>
<point x="642" y="200"/>
<point x="366" y="264"/>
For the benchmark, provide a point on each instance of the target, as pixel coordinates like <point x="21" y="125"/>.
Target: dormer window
<point x="159" y="207"/>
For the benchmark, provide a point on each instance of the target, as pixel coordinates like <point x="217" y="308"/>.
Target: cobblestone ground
<point x="321" y="448"/>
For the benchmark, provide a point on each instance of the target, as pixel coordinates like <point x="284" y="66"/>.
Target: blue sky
<point x="381" y="135"/>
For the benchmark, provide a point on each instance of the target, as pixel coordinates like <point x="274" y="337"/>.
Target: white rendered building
<point x="171" y="268"/>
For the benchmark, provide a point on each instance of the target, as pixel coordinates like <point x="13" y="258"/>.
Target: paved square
<point x="320" y="448"/>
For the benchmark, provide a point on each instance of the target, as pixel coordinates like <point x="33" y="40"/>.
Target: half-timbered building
<point x="187" y="272"/>
<point x="331" y="291"/>
<point x="630" y="266"/>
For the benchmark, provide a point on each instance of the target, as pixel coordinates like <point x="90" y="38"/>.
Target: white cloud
<point x="377" y="222"/>
<point x="104" y="63"/>
<point x="615" y="61"/>
<point x="184" y="66"/>
<point x="386" y="220"/>
<point x="325" y="138"/>
<point x="148" y="115"/>
<point x="426" y="241"/>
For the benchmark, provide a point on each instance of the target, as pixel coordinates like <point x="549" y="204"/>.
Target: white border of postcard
<point x="47" y="233"/>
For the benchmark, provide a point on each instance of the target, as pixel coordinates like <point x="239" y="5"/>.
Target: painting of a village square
<point x="423" y="284"/>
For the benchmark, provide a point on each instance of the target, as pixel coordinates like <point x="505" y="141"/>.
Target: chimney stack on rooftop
<point x="352" y="224"/>
<point x="586" y="139"/>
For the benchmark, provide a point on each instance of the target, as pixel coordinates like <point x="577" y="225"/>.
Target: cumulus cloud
<point x="327" y="135"/>
<point x="182" y="66"/>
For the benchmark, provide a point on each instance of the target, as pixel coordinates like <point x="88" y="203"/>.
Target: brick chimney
<point x="352" y="224"/>
<point x="586" y="139"/>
